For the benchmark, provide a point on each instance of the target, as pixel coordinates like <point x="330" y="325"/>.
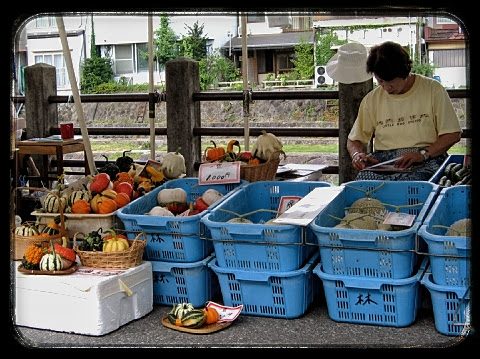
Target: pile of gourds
<point x="173" y="202"/>
<point x="266" y="147"/>
<point x="113" y="187"/>
<point x="54" y="257"/>
<point x="186" y="315"/>
<point x="110" y="241"/>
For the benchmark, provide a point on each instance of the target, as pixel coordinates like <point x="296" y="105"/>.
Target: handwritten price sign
<point x="215" y="173"/>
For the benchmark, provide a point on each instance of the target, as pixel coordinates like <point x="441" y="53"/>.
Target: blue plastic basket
<point x="175" y="283"/>
<point x="449" y="255"/>
<point x="268" y="293"/>
<point x="451" y="307"/>
<point x="257" y="246"/>
<point x="173" y="239"/>
<point x="373" y="253"/>
<point x="376" y="301"/>
<point x="450" y="159"/>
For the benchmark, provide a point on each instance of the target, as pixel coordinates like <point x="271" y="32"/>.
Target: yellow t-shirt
<point x="413" y="119"/>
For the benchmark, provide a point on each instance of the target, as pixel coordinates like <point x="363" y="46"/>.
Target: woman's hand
<point x="408" y="159"/>
<point x="361" y="160"/>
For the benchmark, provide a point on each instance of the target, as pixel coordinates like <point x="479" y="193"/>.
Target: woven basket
<point x="127" y="258"/>
<point x="19" y="244"/>
<point x="263" y="171"/>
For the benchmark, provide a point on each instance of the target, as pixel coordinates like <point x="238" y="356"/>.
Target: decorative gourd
<point x="109" y="193"/>
<point x="52" y="228"/>
<point x="32" y="256"/>
<point x="230" y="155"/>
<point x="93" y="241"/>
<point x="182" y="308"/>
<point x="109" y="168"/>
<point x="51" y="261"/>
<point x="114" y="242"/>
<point x="267" y="144"/>
<point x="100" y="182"/>
<point x="211" y="315"/>
<point x="214" y="153"/>
<point x="68" y="255"/>
<point x="200" y="204"/>
<point x="27" y="230"/>
<point x="81" y="207"/>
<point x="240" y="220"/>
<point x="122" y="177"/>
<point x="144" y="187"/>
<point x="174" y="199"/>
<point x="193" y="319"/>
<point x="160" y="211"/>
<point x="155" y="176"/>
<point x="79" y="194"/>
<point x="122" y="199"/>
<point x="125" y="187"/>
<point x="106" y="205"/>
<point x="51" y="203"/>
<point x="124" y="163"/>
<point x="173" y="164"/>
<point x="210" y="196"/>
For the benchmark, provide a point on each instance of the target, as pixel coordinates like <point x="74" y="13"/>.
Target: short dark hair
<point x="388" y="61"/>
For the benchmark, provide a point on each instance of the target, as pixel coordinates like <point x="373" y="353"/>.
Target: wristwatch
<point x="425" y="154"/>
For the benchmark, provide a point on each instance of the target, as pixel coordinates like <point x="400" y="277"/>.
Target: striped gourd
<point x="50" y="204"/>
<point x="53" y="228"/>
<point x="194" y="318"/>
<point x="27" y="230"/>
<point x="51" y="261"/>
<point x="79" y="194"/>
<point x="181" y="309"/>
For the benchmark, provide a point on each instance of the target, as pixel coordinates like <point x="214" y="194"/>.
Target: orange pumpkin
<point x="123" y="177"/>
<point x="211" y="315"/>
<point x="214" y="153"/>
<point x="106" y="205"/>
<point x="122" y="199"/>
<point x="254" y="161"/>
<point x="81" y="207"/>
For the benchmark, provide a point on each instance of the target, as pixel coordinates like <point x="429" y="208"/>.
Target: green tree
<point x="215" y="68"/>
<point x="324" y="42"/>
<point x="165" y="42"/>
<point x="194" y="45"/>
<point x="95" y="70"/>
<point x="304" y="61"/>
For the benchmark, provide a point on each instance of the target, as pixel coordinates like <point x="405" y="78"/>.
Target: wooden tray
<point x="69" y="270"/>
<point x="206" y="329"/>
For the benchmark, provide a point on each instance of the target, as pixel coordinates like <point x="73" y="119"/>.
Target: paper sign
<point x="225" y="314"/>
<point x="401" y="219"/>
<point x="305" y="210"/>
<point x="286" y="202"/>
<point x="222" y="172"/>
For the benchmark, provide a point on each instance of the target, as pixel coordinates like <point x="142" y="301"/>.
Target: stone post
<point x="349" y="98"/>
<point x="183" y="114"/>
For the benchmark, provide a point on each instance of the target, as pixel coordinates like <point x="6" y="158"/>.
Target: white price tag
<point x="225" y="314"/>
<point x="401" y="219"/>
<point x="223" y="172"/>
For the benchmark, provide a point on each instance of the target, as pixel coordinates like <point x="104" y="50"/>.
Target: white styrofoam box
<point x="81" y="303"/>
<point x="84" y="223"/>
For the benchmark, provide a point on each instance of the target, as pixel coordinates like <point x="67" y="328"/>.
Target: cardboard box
<point x="90" y="303"/>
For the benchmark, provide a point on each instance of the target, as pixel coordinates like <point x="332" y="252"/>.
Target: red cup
<point x="66" y="130"/>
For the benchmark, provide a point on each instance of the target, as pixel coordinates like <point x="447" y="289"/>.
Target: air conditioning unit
<point x="321" y="77"/>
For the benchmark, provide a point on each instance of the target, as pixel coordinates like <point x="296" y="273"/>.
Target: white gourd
<point x="266" y="144"/>
<point x="160" y="211"/>
<point x="210" y="196"/>
<point x="173" y="165"/>
<point x="168" y="196"/>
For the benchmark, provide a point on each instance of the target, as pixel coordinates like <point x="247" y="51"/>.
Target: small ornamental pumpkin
<point x="106" y="205"/>
<point x="266" y="144"/>
<point x="210" y="196"/>
<point x="79" y="194"/>
<point x="125" y="187"/>
<point x="173" y="164"/>
<point x="32" y="256"/>
<point x="124" y="163"/>
<point x="114" y="242"/>
<point x="51" y="203"/>
<point x="100" y="182"/>
<point x="52" y="228"/>
<point x="212" y="315"/>
<point x="122" y="199"/>
<point x="122" y="177"/>
<point x="174" y="199"/>
<point x="27" y="230"/>
<point x="81" y="207"/>
<point x="214" y="153"/>
<point x="51" y="261"/>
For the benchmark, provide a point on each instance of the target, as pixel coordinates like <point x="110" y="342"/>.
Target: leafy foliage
<point x="215" y="68"/>
<point x="325" y="41"/>
<point x="304" y="61"/>
<point x="165" y="41"/>
<point x="194" y="45"/>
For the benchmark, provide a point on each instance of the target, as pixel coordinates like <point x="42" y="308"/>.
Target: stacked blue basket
<point x="373" y="276"/>
<point x="267" y="268"/>
<point x="448" y="278"/>
<point x="178" y="254"/>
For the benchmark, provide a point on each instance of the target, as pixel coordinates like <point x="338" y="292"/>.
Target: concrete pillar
<point x="349" y="98"/>
<point x="183" y="114"/>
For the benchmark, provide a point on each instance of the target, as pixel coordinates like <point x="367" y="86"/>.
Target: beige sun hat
<point x="348" y="65"/>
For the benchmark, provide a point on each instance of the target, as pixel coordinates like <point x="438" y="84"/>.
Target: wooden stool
<point x="56" y="148"/>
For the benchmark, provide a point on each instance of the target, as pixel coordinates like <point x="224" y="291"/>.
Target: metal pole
<point x="76" y="94"/>
<point x="151" y="103"/>
<point x="246" y="110"/>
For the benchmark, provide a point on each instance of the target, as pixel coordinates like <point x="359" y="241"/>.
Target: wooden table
<point x="55" y="148"/>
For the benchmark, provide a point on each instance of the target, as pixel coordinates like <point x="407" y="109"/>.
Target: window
<point x="449" y="58"/>
<point x="57" y="60"/>
<point x="284" y="62"/>
<point x="255" y="17"/>
<point x="46" y="21"/>
<point x="445" y="20"/>
<point x="142" y="57"/>
<point x="124" y="59"/>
